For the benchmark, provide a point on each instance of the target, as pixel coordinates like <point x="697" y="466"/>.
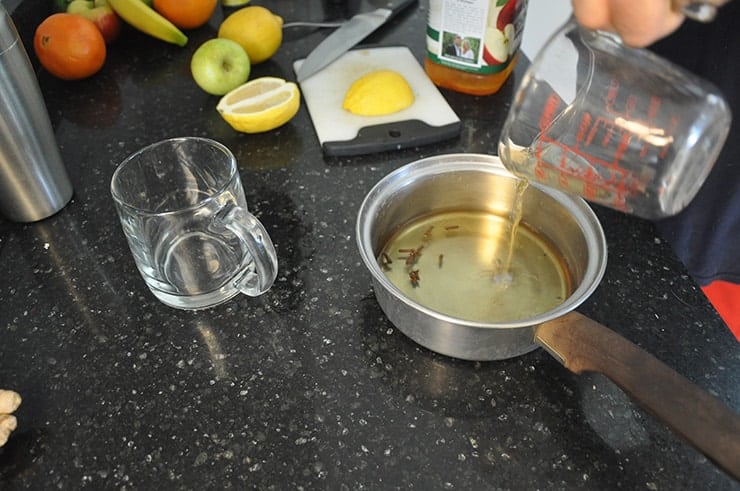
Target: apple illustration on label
<point x="498" y="45"/>
<point x="506" y="15"/>
<point x="220" y="65"/>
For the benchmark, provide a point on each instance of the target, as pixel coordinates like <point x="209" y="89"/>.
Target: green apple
<point x="79" y="6"/>
<point x="60" y="5"/>
<point x="220" y="65"/>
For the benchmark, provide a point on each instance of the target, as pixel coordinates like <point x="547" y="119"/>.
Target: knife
<point x="350" y="33"/>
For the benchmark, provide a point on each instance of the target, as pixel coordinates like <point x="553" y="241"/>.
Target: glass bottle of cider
<point x="473" y="45"/>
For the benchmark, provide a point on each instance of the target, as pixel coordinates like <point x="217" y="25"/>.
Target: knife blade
<point x="345" y="37"/>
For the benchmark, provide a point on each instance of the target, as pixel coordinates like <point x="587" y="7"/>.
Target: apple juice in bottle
<point x="473" y="45"/>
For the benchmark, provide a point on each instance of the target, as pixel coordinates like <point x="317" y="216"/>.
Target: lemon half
<point x="378" y="93"/>
<point x="260" y="105"/>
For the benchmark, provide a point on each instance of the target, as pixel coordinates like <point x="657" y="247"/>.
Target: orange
<point x="186" y="14"/>
<point x="69" y="46"/>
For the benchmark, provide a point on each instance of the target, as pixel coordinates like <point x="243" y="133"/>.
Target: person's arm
<point x="638" y="22"/>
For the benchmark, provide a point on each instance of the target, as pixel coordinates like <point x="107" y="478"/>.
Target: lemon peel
<point x="260" y="105"/>
<point x="378" y="93"/>
<point x="259" y="31"/>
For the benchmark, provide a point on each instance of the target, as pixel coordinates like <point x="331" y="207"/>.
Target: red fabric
<point x="725" y="297"/>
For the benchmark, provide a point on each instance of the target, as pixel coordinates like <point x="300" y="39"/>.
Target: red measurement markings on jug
<point x="576" y="167"/>
<point x="565" y="160"/>
<point x="656" y="140"/>
<point x="551" y="109"/>
<point x="603" y="157"/>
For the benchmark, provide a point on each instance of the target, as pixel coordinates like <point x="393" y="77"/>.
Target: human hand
<point x="9" y="402"/>
<point x="638" y="22"/>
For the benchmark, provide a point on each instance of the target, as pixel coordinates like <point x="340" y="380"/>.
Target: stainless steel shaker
<point x="33" y="180"/>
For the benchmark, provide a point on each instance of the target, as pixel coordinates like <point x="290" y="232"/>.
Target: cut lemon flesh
<point x="378" y="93"/>
<point x="260" y="105"/>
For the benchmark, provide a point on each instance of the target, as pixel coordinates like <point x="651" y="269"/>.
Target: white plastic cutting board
<point x="429" y="119"/>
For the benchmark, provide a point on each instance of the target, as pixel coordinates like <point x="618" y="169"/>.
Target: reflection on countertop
<point x="308" y="386"/>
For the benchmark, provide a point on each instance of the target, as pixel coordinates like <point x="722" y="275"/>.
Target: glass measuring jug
<point x="616" y="125"/>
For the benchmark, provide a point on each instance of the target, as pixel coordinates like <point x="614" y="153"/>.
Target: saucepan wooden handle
<point x="582" y="344"/>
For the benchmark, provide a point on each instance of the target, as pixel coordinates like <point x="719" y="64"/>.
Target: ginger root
<point x="9" y="402"/>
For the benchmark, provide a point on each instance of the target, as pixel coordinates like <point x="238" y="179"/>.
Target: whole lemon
<point x="259" y="31"/>
<point x="378" y="93"/>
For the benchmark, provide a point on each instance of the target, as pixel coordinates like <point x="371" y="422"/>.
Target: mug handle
<point x="254" y="236"/>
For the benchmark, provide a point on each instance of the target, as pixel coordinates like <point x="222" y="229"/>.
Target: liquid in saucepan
<point x="476" y="266"/>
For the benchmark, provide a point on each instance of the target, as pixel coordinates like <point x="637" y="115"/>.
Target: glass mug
<point x="616" y="125"/>
<point x="184" y="214"/>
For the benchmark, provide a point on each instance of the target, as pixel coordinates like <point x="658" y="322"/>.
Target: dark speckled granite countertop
<point x="308" y="386"/>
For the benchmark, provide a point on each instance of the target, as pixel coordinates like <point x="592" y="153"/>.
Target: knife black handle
<point x="395" y="6"/>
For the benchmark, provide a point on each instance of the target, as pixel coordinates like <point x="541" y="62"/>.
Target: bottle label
<point x="477" y="36"/>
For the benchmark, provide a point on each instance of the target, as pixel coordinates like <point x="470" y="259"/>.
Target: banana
<point x="148" y="20"/>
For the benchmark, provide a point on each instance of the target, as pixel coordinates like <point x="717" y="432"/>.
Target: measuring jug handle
<point x="582" y="344"/>
<point x="701" y="11"/>
<point x="257" y="241"/>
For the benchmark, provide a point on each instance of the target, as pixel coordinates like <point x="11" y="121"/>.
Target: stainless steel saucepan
<point x="480" y="182"/>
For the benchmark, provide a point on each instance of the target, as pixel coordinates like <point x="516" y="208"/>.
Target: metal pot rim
<point x="468" y="162"/>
